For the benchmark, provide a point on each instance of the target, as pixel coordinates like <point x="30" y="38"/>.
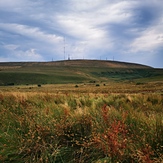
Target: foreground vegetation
<point x="86" y="125"/>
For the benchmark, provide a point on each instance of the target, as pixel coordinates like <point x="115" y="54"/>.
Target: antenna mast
<point x="64" y="48"/>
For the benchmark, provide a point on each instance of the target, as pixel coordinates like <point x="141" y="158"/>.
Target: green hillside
<point x="75" y="71"/>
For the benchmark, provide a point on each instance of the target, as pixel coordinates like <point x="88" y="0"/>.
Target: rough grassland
<point x="77" y="71"/>
<point x="81" y="112"/>
<point x="84" y="124"/>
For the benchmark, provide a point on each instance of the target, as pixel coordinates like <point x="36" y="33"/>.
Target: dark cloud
<point x="146" y="16"/>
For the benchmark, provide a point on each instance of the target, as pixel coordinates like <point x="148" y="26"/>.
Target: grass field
<point x="84" y="71"/>
<point x="103" y="116"/>
<point x="88" y="123"/>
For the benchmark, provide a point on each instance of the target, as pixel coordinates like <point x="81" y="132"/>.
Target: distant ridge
<point x="79" y="63"/>
<point x="75" y="71"/>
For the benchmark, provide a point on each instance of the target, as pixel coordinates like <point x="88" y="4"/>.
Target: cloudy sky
<point x="38" y="30"/>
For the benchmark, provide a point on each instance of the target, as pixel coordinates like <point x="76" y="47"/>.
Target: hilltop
<point x="79" y="63"/>
<point x="99" y="63"/>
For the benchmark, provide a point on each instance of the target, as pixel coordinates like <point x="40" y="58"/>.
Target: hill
<point x="78" y="63"/>
<point x="76" y="71"/>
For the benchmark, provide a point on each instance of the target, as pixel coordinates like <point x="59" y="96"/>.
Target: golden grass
<point x="61" y="123"/>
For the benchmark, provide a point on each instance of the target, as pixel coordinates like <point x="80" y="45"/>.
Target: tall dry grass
<point x="45" y="127"/>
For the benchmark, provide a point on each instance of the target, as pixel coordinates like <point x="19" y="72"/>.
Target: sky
<point x="50" y="30"/>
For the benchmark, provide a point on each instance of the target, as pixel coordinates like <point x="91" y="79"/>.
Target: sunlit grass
<point x="75" y="127"/>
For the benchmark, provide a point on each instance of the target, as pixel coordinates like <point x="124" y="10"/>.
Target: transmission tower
<point x="64" y="48"/>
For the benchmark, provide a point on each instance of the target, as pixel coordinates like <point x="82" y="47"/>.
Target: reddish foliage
<point x="104" y="113"/>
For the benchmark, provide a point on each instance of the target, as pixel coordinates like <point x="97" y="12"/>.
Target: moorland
<point x="80" y="111"/>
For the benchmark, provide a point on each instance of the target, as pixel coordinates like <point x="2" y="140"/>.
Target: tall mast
<point x="64" y="48"/>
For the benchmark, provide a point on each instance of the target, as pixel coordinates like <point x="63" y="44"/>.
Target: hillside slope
<point x="75" y="71"/>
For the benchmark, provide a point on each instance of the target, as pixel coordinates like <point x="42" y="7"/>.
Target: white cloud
<point x="149" y="40"/>
<point x="11" y="46"/>
<point x="28" y="55"/>
<point x="80" y="28"/>
<point x="17" y="6"/>
<point x="11" y="3"/>
<point x="31" y="32"/>
<point x="86" y="5"/>
<point x="15" y="54"/>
